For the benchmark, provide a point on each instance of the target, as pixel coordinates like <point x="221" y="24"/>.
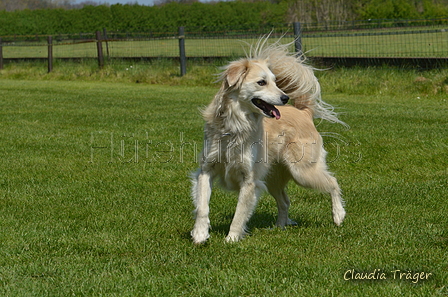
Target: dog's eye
<point x="262" y="82"/>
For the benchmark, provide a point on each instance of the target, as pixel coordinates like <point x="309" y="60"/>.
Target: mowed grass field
<point x="95" y="193"/>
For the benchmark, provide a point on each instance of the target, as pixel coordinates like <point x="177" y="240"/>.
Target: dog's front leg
<point x="202" y="189"/>
<point x="247" y="201"/>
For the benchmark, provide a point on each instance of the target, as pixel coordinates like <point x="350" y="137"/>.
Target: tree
<point x="310" y="11"/>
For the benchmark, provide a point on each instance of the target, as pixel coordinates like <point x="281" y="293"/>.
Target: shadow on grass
<point x="259" y="220"/>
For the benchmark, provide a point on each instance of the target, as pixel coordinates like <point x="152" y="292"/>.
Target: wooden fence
<point x="424" y="47"/>
<point x="102" y="37"/>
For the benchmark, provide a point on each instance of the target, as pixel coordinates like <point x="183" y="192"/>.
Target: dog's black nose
<point x="284" y="99"/>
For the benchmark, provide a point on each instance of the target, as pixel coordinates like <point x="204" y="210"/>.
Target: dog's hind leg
<point x="317" y="177"/>
<point x="283" y="203"/>
<point x="201" y="191"/>
<point x="276" y="184"/>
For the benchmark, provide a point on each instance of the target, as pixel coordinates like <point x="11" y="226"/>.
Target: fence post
<point x="182" y="56"/>
<point x="107" y="44"/>
<point x="50" y="53"/>
<point x="99" y="47"/>
<point x="1" y="54"/>
<point x="298" y="38"/>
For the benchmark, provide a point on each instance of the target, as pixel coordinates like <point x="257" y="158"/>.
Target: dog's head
<point x="253" y="84"/>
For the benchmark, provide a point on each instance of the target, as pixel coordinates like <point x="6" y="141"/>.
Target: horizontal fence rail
<point x="374" y="39"/>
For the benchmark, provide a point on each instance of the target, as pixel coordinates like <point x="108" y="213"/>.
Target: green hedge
<point x="219" y="15"/>
<point x="136" y="18"/>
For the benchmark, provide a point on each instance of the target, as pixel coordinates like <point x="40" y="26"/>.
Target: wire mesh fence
<point x="421" y="43"/>
<point x="360" y="39"/>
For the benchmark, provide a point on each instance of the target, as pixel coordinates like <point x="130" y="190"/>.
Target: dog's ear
<point x="235" y="72"/>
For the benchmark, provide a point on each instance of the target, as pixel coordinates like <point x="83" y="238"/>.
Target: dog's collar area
<point x="268" y="109"/>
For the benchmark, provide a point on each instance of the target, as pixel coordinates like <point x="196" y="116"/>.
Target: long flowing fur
<point x="294" y="77"/>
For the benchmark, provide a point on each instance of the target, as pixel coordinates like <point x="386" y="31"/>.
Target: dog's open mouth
<point x="268" y="109"/>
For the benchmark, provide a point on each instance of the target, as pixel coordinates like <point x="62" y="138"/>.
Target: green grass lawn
<point x="94" y="194"/>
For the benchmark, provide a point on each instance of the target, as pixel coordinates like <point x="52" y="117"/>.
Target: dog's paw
<point x="234" y="237"/>
<point x="338" y="216"/>
<point x="283" y="223"/>
<point x="199" y="237"/>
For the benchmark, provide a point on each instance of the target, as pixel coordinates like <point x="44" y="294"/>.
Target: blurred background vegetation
<point x="22" y="17"/>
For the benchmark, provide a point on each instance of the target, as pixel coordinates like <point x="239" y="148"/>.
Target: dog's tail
<point x="295" y="78"/>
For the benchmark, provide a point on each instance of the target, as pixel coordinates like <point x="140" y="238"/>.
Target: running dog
<point x="254" y="142"/>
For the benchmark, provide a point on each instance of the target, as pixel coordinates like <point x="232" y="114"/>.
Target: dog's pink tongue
<point x="276" y="113"/>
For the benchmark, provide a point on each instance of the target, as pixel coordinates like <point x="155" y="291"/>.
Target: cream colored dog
<point x="254" y="142"/>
